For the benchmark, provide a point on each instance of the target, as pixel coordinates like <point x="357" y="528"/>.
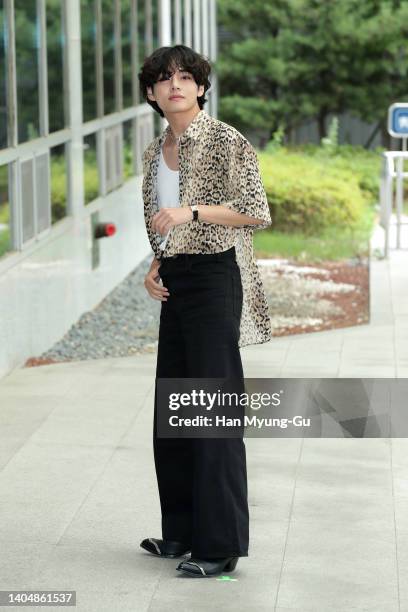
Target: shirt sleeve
<point x="245" y="185"/>
<point x="148" y="213"/>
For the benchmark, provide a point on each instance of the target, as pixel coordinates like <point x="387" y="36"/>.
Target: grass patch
<point x="332" y="244"/>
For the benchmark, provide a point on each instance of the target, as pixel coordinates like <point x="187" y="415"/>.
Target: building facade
<point x="72" y="131"/>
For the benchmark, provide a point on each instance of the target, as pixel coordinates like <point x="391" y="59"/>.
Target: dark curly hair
<point x="164" y="60"/>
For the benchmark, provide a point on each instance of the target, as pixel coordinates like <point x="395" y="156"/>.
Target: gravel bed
<point x="125" y="322"/>
<point x="301" y="298"/>
<point x="309" y="298"/>
<point x="293" y="299"/>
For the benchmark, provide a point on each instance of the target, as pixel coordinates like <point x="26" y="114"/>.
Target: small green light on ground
<point x="225" y="578"/>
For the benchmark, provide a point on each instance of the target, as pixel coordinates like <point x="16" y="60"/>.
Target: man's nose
<point x="174" y="80"/>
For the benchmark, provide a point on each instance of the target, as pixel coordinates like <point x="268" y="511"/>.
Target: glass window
<point x="113" y="137"/>
<point x="108" y="11"/>
<point x="128" y="168"/>
<point x="55" y="65"/>
<point x="42" y="184"/>
<point x="27" y="36"/>
<point x="3" y="76"/>
<point x="91" y="173"/>
<point x="141" y="30"/>
<point x="88" y="42"/>
<point x="5" y="229"/>
<point x="58" y="183"/>
<point x="155" y="24"/>
<point x="127" y="53"/>
<point x="27" y="198"/>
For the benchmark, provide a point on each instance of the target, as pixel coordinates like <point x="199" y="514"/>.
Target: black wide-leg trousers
<point x="202" y="482"/>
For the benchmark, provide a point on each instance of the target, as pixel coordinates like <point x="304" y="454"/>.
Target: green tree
<point x="292" y="60"/>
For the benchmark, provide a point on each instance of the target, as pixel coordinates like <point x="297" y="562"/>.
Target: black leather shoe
<point x="207" y="567"/>
<point x="165" y="548"/>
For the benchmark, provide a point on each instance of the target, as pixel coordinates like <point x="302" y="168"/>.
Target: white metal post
<point x="42" y="68"/>
<point x="165" y="23"/>
<point x="12" y="131"/>
<point x="177" y="38"/>
<point x="204" y="27"/>
<point x="187" y="23"/>
<point x="388" y="207"/>
<point x="398" y="198"/>
<point x="213" y="57"/>
<point x="74" y="93"/>
<point x="196" y="25"/>
<point x="164" y="34"/>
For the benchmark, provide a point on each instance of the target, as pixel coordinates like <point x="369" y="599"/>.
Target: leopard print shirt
<point x="217" y="166"/>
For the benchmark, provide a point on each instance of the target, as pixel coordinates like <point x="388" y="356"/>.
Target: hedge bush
<point x="310" y="192"/>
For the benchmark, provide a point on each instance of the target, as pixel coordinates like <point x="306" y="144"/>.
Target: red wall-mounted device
<point x="99" y="229"/>
<point x="103" y="230"/>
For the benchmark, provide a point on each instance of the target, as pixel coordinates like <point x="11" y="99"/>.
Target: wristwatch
<point x="194" y="209"/>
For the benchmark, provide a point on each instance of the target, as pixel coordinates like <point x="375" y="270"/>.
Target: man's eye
<point x="166" y="77"/>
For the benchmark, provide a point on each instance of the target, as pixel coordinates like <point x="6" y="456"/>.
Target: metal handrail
<point x="392" y="168"/>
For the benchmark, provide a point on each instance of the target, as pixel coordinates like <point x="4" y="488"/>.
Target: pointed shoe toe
<point x="207" y="567"/>
<point x="164" y="548"/>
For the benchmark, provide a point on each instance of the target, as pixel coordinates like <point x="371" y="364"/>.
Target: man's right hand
<point x="152" y="283"/>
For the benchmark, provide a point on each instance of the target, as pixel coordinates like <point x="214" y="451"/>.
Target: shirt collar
<point x="193" y="129"/>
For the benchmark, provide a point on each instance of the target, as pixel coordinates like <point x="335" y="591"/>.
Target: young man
<point x="203" y="197"/>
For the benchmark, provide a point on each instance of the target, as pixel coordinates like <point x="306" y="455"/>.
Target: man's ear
<point x="150" y="95"/>
<point x="200" y="91"/>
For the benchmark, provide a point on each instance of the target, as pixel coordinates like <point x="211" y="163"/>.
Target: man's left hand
<point x="168" y="217"/>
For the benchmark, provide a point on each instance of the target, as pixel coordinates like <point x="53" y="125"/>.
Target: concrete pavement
<point x="329" y="526"/>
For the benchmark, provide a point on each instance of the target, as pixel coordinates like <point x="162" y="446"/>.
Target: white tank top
<point x="167" y="188"/>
